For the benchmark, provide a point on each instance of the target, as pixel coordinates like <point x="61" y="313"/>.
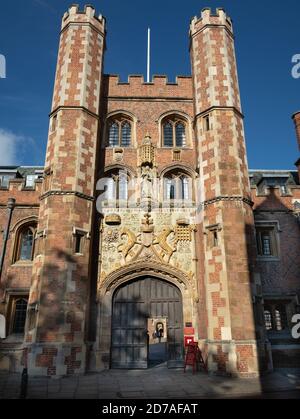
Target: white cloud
<point x="8" y="147"/>
<point x="14" y="147"/>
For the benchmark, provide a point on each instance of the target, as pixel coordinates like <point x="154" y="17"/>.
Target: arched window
<point x="114" y="134"/>
<point x="177" y="186"/>
<point x="126" y="134"/>
<point x="117" y="186"/>
<point x="19" y="315"/>
<point x="168" y="134"/>
<point x="119" y="132"/>
<point x="169" y="189"/>
<point x="180" y="135"/>
<point x="25" y="243"/>
<point x="174" y="132"/>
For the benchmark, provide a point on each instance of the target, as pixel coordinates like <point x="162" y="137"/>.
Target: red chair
<point x="194" y="357"/>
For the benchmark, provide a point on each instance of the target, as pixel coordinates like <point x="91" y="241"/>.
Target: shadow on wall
<point x="61" y="309"/>
<point x="276" y="278"/>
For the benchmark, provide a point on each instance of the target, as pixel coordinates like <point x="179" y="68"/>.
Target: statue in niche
<point x="147" y="182"/>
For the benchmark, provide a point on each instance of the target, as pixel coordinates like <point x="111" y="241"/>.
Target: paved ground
<point x="155" y="383"/>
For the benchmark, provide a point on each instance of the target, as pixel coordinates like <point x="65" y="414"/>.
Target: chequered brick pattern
<point x="223" y="173"/>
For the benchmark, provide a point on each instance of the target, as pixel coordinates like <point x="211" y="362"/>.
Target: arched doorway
<point x="146" y="305"/>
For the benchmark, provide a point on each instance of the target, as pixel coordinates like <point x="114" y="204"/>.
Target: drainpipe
<point x="10" y="206"/>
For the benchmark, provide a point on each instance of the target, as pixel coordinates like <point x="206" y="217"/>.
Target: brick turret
<point x="61" y="266"/>
<point x="227" y="215"/>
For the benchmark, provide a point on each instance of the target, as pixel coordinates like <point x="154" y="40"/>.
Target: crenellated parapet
<point x="22" y="195"/>
<point x="159" y="86"/>
<point x="209" y="18"/>
<point x="88" y="15"/>
<point x="80" y="60"/>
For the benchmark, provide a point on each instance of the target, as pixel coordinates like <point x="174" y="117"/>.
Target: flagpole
<point x="148" y="56"/>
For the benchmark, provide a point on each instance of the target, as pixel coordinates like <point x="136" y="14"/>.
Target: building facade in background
<point x="145" y="228"/>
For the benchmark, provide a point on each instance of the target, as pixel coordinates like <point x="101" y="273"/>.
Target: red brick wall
<point x="282" y="276"/>
<point x="16" y="275"/>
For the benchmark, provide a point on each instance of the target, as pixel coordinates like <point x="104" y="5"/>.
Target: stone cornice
<point x="228" y="199"/>
<point x="220" y="108"/>
<point x="211" y="26"/>
<point x="75" y="23"/>
<point x="64" y="193"/>
<point x="72" y="108"/>
<point x="149" y="99"/>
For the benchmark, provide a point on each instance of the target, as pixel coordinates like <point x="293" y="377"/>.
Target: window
<point x="169" y="189"/>
<point x="213" y="236"/>
<point x="18" y="312"/>
<point x="117" y="186"/>
<point x="4" y="180"/>
<point x="54" y="123"/>
<point x="174" y="133"/>
<point x="30" y="181"/>
<point x="114" y="134"/>
<point x="206" y="120"/>
<point x="177" y="186"/>
<point x="215" y="241"/>
<point x="20" y="316"/>
<point x="276" y="316"/>
<point x="268" y="320"/>
<point x="168" y="135"/>
<point x="266" y="242"/>
<point x="120" y="132"/>
<point x="79" y="240"/>
<point x="25" y="243"/>
<point x="126" y="134"/>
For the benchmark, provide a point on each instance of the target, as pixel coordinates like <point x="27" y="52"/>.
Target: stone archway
<point x="138" y="307"/>
<point x="128" y="274"/>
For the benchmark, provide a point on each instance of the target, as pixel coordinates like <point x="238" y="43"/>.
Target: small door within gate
<point x="133" y="305"/>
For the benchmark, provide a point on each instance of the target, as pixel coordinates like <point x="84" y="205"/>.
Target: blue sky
<point x="267" y="36"/>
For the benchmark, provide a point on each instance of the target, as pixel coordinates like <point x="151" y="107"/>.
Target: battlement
<point x="296" y="116"/>
<point x="208" y="17"/>
<point x="88" y="15"/>
<point x="158" y="87"/>
<point x="24" y="196"/>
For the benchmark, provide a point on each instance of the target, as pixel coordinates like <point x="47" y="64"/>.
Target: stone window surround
<point x="10" y="296"/>
<point x="120" y="117"/>
<point x="85" y="235"/>
<point x="291" y="303"/>
<point x="274" y="226"/>
<point x="17" y="243"/>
